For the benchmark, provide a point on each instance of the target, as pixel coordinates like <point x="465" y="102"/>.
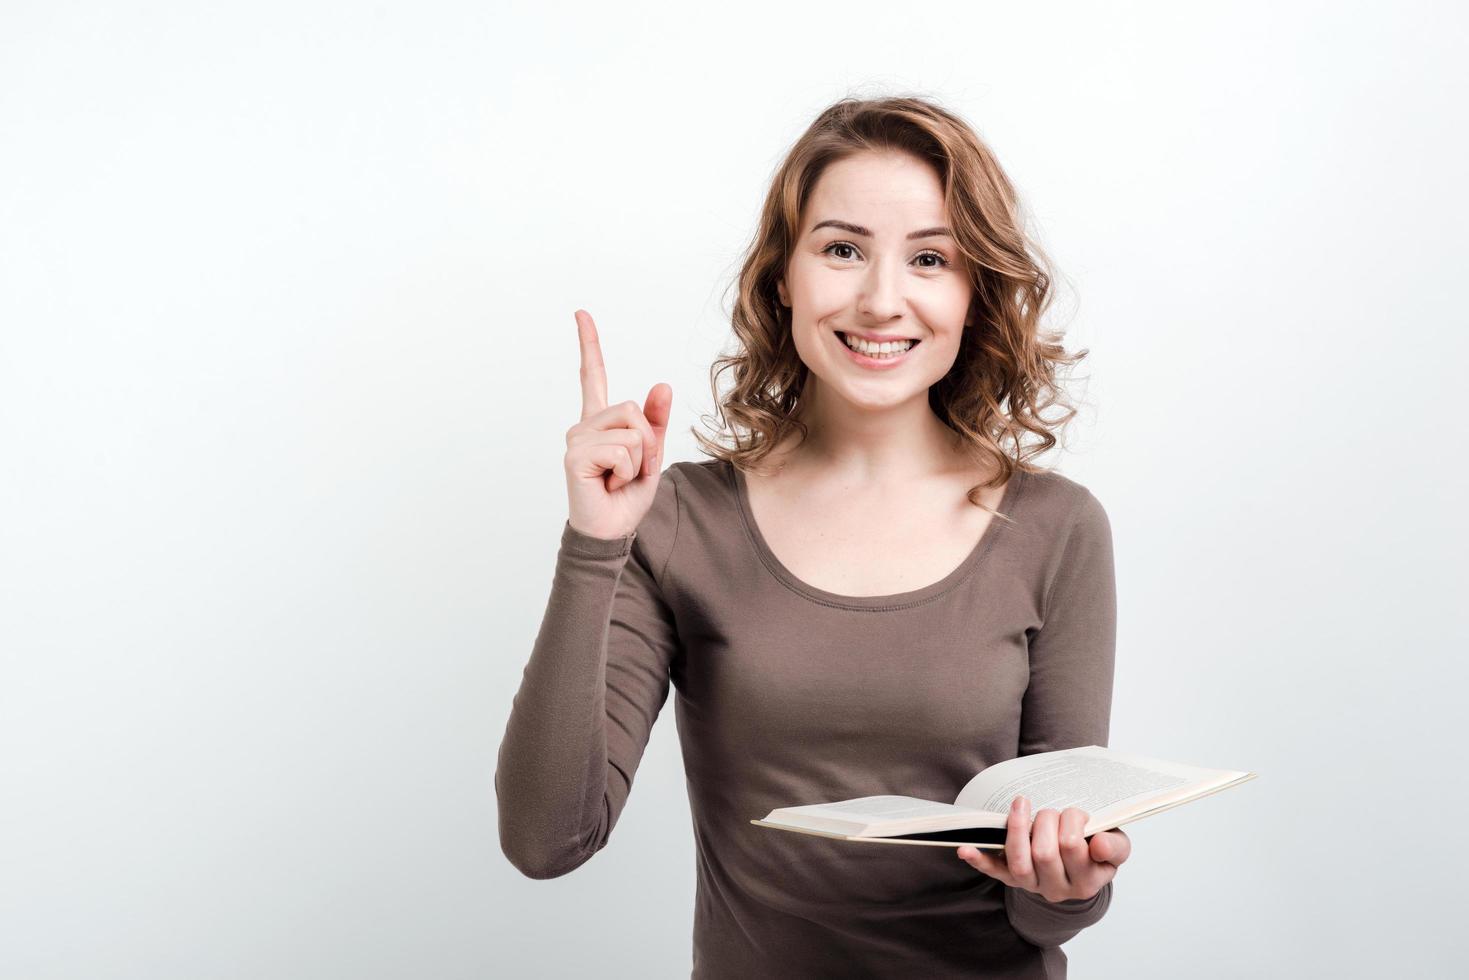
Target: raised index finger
<point x="593" y="372"/>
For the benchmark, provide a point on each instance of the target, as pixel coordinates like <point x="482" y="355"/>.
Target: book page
<point x="873" y="809"/>
<point x="1095" y="779"/>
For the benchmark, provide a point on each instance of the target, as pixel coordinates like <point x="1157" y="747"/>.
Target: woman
<point x="865" y="596"/>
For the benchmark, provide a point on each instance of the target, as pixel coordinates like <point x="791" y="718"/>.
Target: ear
<point x="780" y="290"/>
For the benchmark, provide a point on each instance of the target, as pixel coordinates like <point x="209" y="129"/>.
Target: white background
<point x="286" y="294"/>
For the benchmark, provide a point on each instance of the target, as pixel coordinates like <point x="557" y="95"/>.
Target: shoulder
<point x="656" y="533"/>
<point x="1062" y="513"/>
<point x="688" y="492"/>
<point x="705" y="486"/>
<point x="1060" y="502"/>
<point x="700" y="474"/>
<point x="1072" y="535"/>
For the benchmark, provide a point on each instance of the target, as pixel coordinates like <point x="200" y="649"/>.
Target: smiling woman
<point x="865" y="620"/>
<point x="890" y="219"/>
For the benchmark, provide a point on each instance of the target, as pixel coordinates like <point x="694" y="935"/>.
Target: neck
<point x="886" y="445"/>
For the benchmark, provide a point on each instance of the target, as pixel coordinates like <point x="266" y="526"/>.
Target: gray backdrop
<point x="286" y="293"/>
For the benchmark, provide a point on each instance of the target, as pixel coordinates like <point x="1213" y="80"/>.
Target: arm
<point x="596" y="680"/>
<point x="1069" y="700"/>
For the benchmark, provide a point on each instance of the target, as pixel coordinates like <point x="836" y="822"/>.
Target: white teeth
<point x="878" y="350"/>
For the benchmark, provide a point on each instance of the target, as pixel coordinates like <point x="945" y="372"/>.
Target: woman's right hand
<point x="614" y="454"/>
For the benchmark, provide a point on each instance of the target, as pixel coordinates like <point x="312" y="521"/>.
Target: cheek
<point x="946" y="306"/>
<point x="943" y="352"/>
<point x="818" y="295"/>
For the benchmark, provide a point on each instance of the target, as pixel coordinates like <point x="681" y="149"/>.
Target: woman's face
<point x="871" y="261"/>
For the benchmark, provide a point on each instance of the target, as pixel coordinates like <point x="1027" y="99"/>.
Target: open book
<point x="1113" y="787"/>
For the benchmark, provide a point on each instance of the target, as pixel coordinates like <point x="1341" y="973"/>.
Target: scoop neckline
<point x="896" y="600"/>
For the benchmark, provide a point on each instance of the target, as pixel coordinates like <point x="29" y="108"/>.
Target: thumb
<point x="657" y="409"/>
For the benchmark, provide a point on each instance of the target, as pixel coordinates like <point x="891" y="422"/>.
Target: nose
<point x="881" y="296"/>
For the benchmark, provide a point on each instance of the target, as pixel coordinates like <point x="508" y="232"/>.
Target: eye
<point x="930" y="253"/>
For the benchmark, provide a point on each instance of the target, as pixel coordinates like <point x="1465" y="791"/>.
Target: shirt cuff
<point x="1069" y="904"/>
<point x="1053" y="923"/>
<point x="595" y="547"/>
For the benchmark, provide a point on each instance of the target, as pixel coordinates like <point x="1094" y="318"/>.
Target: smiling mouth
<point x="841" y="336"/>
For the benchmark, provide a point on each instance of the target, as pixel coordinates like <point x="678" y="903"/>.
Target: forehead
<point x="892" y="193"/>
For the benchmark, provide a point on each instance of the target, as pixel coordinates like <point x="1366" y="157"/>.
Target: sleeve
<point x="1068" y="702"/>
<point x="597" y="678"/>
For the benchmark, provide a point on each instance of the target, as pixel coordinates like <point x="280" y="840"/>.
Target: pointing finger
<point x="593" y="371"/>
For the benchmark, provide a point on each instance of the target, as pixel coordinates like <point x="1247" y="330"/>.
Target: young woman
<point x="867" y="594"/>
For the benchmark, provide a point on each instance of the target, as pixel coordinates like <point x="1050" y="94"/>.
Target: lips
<point x="868" y="362"/>
<point x="842" y="335"/>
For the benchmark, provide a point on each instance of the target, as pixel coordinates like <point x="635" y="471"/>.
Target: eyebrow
<point x="866" y="233"/>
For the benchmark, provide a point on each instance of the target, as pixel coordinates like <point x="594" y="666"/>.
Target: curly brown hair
<point x="1005" y="373"/>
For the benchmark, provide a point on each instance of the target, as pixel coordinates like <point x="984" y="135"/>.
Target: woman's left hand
<point x="1049" y="856"/>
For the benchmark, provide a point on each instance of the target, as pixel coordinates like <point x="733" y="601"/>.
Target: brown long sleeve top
<point x="789" y="694"/>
